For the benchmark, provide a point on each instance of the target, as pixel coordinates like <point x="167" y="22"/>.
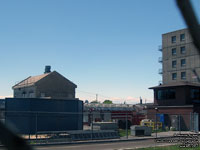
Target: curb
<point x="96" y="142"/>
<point x="93" y="142"/>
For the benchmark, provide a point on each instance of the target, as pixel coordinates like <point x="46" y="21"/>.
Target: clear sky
<point x="108" y="47"/>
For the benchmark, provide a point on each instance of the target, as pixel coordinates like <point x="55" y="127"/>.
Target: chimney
<point x="140" y="101"/>
<point x="47" y="69"/>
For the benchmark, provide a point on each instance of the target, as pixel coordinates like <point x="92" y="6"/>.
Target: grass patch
<point x="122" y="132"/>
<point x="174" y="147"/>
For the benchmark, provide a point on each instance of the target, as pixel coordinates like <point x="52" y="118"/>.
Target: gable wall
<point x="55" y="86"/>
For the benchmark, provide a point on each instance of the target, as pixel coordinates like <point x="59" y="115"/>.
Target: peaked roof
<point x="175" y="84"/>
<point x="33" y="79"/>
<point x="30" y="81"/>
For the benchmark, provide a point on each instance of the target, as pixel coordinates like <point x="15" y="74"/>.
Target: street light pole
<point x="126" y="125"/>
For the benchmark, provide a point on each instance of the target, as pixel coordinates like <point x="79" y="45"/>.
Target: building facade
<point x="180" y="57"/>
<point x="48" y="85"/>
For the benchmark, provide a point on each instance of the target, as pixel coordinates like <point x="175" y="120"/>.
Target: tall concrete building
<point x="179" y="57"/>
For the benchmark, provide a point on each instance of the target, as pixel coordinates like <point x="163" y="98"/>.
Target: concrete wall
<point x="191" y="55"/>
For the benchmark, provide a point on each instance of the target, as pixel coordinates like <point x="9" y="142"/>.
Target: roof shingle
<point x="30" y="81"/>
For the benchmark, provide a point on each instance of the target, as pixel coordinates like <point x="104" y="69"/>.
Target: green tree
<point x="94" y="102"/>
<point x="107" y="102"/>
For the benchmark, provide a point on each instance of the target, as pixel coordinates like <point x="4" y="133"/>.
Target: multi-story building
<point x="179" y="57"/>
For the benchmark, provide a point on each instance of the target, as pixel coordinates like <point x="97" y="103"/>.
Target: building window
<point x="173" y="39"/>
<point x="195" y="94"/>
<point x="174" y="64"/>
<point x="183" y="62"/>
<point x="174" y="75"/>
<point x="183" y="75"/>
<point x="173" y="51"/>
<point x="182" y="50"/>
<point x="182" y="37"/>
<point x="166" y="94"/>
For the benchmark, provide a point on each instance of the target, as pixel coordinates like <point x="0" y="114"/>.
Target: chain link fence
<point x="48" y="127"/>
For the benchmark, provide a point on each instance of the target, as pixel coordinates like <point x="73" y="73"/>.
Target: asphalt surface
<point x="104" y="146"/>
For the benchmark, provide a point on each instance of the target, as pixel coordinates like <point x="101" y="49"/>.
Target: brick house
<point x="48" y="85"/>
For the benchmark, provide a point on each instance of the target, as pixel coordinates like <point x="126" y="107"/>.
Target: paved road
<point x="104" y="146"/>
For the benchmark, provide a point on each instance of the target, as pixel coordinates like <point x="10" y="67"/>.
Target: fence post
<point x="179" y="121"/>
<point x="36" y="125"/>
<point x="127" y="125"/>
<point x="190" y="121"/>
<point x="92" y="125"/>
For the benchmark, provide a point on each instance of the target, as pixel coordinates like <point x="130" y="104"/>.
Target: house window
<point x="173" y="39"/>
<point x="23" y="94"/>
<point x="182" y="37"/>
<point x="173" y="51"/>
<point x="183" y="75"/>
<point x="183" y="62"/>
<point x="182" y="50"/>
<point x="174" y="64"/>
<point x="174" y="75"/>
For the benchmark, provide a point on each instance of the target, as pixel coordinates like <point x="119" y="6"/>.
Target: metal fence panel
<point x="30" y="116"/>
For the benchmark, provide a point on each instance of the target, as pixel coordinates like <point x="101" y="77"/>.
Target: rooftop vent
<point x="47" y="69"/>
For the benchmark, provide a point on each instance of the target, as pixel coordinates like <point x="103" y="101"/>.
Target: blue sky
<point x="108" y="47"/>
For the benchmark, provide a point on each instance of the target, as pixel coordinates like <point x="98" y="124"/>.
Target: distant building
<point x="48" y="85"/>
<point x="179" y="57"/>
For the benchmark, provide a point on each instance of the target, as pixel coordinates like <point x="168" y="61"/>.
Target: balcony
<point x="160" y="60"/>
<point x="160" y="48"/>
<point x="160" y="71"/>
